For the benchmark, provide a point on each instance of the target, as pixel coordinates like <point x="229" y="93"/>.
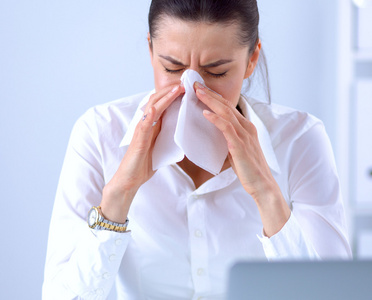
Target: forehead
<point x="186" y="37"/>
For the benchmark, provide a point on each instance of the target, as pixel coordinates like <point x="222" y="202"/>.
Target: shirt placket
<point x="198" y="244"/>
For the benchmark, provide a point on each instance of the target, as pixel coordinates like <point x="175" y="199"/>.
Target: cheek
<point x="228" y="89"/>
<point x="163" y="80"/>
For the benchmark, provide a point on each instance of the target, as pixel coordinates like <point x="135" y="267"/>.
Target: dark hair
<point x="241" y="12"/>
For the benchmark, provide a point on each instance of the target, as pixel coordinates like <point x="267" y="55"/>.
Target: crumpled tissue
<point x="186" y="132"/>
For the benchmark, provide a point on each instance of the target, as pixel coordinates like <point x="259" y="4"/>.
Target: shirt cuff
<point x="95" y="262"/>
<point x="288" y="243"/>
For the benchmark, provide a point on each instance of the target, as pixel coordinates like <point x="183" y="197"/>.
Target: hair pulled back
<point x="244" y="13"/>
<point x="241" y="12"/>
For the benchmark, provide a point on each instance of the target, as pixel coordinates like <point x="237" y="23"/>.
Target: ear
<point x="150" y="46"/>
<point x="253" y="60"/>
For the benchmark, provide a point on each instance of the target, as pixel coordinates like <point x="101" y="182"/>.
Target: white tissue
<point x="186" y="132"/>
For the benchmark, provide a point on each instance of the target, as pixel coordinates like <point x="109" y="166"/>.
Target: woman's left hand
<point x="246" y="158"/>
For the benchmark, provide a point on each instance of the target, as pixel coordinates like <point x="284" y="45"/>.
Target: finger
<point x="162" y="99"/>
<point x="213" y="100"/>
<point x="243" y="120"/>
<point x="144" y="129"/>
<point x="225" y="109"/>
<point x="246" y="124"/>
<point x="200" y="85"/>
<point x="217" y="104"/>
<point x="163" y="103"/>
<point x="234" y="142"/>
<point x="158" y="95"/>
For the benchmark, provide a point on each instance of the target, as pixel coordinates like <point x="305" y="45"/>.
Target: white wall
<point x="300" y="41"/>
<point x="58" y="58"/>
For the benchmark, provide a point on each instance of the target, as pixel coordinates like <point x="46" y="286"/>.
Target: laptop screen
<point x="341" y="280"/>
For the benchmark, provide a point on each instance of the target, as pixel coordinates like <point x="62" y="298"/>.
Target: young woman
<point x="277" y="195"/>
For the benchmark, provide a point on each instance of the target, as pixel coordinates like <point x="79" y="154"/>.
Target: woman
<point x="277" y="195"/>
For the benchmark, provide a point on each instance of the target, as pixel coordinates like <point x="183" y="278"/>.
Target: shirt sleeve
<point x="317" y="227"/>
<point x="81" y="263"/>
<point x="289" y="243"/>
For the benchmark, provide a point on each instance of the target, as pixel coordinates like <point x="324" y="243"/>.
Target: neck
<point x="197" y="174"/>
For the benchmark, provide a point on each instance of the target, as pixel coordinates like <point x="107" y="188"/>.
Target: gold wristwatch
<point x="97" y="221"/>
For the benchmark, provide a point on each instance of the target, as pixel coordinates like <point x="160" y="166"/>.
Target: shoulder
<point x="284" y="123"/>
<point x="109" y="121"/>
<point x="299" y="140"/>
<point x="121" y="110"/>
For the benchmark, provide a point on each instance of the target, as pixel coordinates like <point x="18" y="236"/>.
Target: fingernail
<point x="199" y="85"/>
<point x="200" y="91"/>
<point x="206" y="112"/>
<point x="174" y="89"/>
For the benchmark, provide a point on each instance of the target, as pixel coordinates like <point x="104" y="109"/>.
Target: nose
<point x="196" y="69"/>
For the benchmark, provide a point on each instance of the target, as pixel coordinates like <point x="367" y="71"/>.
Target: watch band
<point x="104" y="224"/>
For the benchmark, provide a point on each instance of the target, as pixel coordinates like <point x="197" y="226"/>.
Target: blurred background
<point x="59" y="58"/>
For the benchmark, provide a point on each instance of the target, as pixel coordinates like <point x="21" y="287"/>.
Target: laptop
<point x="328" y="280"/>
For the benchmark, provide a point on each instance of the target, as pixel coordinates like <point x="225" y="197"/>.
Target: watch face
<point x="92" y="217"/>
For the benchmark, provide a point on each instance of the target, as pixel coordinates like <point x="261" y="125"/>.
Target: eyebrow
<point x="211" y="65"/>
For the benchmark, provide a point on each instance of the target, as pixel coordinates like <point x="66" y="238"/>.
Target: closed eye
<point x="218" y="75"/>
<point x="176" y="71"/>
<point x="173" y="71"/>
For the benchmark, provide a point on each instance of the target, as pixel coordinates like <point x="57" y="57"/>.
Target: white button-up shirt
<point x="183" y="240"/>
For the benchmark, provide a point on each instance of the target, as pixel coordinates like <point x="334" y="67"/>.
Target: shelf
<point x="362" y="209"/>
<point x="363" y="55"/>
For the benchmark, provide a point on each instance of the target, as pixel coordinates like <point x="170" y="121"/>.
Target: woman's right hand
<point x="136" y="166"/>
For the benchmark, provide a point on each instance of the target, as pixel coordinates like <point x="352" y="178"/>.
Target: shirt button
<point x="106" y="276"/>
<point x="99" y="292"/>
<point x="194" y="196"/>
<point x="118" y="242"/>
<point x="200" y="271"/>
<point x="112" y="257"/>
<point x="198" y="233"/>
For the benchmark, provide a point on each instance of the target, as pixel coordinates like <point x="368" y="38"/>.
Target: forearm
<point x="283" y="237"/>
<point x="116" y="202"/>
<point x="274" y="210"/>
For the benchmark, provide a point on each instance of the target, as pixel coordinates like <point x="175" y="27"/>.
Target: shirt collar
<point x="263" y="134"/>
<point x="136" y="118"/>
<point x="248" y="112"/>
